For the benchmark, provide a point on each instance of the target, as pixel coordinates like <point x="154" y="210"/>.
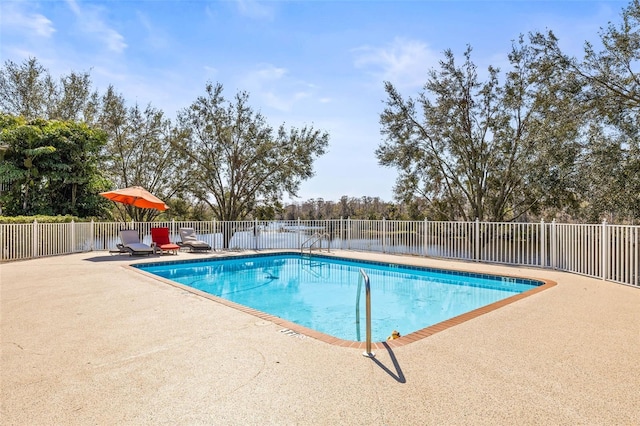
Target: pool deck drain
<point x="291" y="333"/>
<point x="85" y="341"/>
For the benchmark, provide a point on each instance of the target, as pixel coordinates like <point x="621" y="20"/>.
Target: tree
<point x="609" y="78"/>
<point x="141" y="151"/>
<point x="51" y="167"/>
<point x="238" y="161"/>
<point x="23" y="89"/>
<point x="28" y="90"/>
<point x="482" y="149"/>
<point x="372" y="208"/>
<point x="72" y="99"/>
<point x="75" y="175"/>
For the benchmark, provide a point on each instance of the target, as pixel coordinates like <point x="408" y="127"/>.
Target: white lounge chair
<point x="191" y="241"/>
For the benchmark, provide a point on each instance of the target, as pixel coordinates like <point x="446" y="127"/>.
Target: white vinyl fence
<point x="608" y="252"/>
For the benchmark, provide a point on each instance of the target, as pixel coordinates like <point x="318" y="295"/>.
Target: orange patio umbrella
<point x="136" y="196"/>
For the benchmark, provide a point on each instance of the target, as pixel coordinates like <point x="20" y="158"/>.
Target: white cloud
<point x="73" y="5"/>
<point x="210" y="71"/>
<point x="92" y="22"/>
<point x="269" y="73"/>
<point x="403" y="62"/>
<point x="273" y="87"/>
<point x="156" y="37"/>
<point x="113" y="40"/>
<point x="283" y="102"/>
<point x="210" y="13"/>
<point x="29" y="23"/>
<point x="254" y="9"/>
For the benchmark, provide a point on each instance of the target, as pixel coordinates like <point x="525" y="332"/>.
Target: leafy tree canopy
<point x="29" y="91"/>
<point x="51" y="167"/>
<point x="608" y="76"/>
<point x="238" y="161"/>
<point x="475" y="148"/>
<point x="141" y="151"/>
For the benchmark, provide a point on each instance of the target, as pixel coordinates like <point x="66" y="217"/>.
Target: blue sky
<point x="313" y="62"/>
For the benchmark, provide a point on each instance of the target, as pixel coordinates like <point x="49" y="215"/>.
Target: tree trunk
<point x="228" y="229"/>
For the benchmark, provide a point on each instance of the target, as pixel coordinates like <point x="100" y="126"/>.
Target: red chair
<point x="161" y="242"/>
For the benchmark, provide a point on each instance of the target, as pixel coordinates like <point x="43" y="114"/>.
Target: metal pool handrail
<point x="314" y="239"/>
<point x="367" y="286"/>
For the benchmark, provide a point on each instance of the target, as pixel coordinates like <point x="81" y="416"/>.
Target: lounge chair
<point x="131" y="243"/>
<point x="161" y="242"/>
<point x="191" y="241"/>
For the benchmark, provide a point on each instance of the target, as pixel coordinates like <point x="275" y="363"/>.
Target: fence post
<point x="73" y="236"/>
<point x="34" y="249"/>
<point x="477" y="241"/>
<point x="543" y="244"/>
<point x="554" y="244"/>
<point x="255" y="232"/>
<point x="384" y="235"/>
<point x="92" y="245"/>
<point x="215" y="233"/>
<point x="349" y="233"/>
<point x="425" y="241"/>
<point x="603" y="249"/>
<point x="636" y="244"/>
<point x="299" y="232"/>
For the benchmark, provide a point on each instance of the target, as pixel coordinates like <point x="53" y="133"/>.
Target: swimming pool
<point x="319" y="292"/>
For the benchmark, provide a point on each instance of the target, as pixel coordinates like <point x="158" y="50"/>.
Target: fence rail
<point x="608" y="252"/>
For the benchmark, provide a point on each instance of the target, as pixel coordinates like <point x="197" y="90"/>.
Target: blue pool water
<point x="319" y="292"/>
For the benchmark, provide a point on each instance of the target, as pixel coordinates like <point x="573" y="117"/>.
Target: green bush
<point x="42" y="219"/>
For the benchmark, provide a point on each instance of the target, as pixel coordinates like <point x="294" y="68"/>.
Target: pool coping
<point x="289" y="326"/>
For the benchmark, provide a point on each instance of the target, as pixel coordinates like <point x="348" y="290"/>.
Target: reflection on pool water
<point x="319" y="292"/>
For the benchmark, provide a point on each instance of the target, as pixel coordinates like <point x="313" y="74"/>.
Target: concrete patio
<point x="85" y="340"/>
